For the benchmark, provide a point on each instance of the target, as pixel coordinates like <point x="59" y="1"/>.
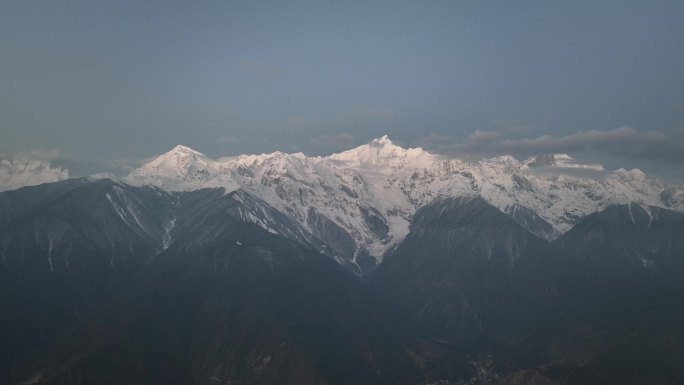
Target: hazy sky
<point x="95" y="81"/>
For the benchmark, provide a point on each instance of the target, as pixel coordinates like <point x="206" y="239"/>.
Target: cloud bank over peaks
<point x="624" y="144"/>
<point x="625" y="147"/>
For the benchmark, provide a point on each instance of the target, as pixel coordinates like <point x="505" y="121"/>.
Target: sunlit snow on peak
<point x="180" y="149"/>
<point x="560" y="161"/>
<point x="383" y="151"/>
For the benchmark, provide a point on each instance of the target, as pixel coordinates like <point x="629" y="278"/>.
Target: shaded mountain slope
<point x="466" y="276"/>
<point x="232" y="302"/>
<point x="455" y="263"/>
<point x="643" y="243"/>
<point x="67" y="247"/>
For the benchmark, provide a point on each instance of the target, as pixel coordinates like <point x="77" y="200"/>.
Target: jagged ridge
<point x="360" y="201"/>
<point x="368" y="195"/>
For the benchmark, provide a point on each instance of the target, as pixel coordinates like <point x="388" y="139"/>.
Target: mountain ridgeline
<point x="378" y="265"/>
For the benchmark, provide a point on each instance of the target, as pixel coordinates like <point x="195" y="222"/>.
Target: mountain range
<point x="377" y="265"/>
<point x="361" y="201"/>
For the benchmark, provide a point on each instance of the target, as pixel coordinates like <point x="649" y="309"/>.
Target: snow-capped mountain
<point x="560" y="161"/>
<point x="93" y="264"/>
<point x="180" y="169"/>
<point x="361" y="201"/>
<point x="17" y="173"/>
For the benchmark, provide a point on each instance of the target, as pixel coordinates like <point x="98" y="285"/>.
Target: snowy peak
<point x="181" y="157"/>
<point x="384" y="142"/>
<point x="382" y="151"/>
<point x="175" y="169"/>
<point x="181" y="152"/>
<point x="632" y="175"/>
<point x="559" y="161"/>
<point x="546" y="160"/>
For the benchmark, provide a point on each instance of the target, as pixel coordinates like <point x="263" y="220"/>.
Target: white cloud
<point x="517" y="126"/>
<point x="483" y="137"/>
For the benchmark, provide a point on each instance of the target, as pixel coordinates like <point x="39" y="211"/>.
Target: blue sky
<point x="119" y="80"/>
